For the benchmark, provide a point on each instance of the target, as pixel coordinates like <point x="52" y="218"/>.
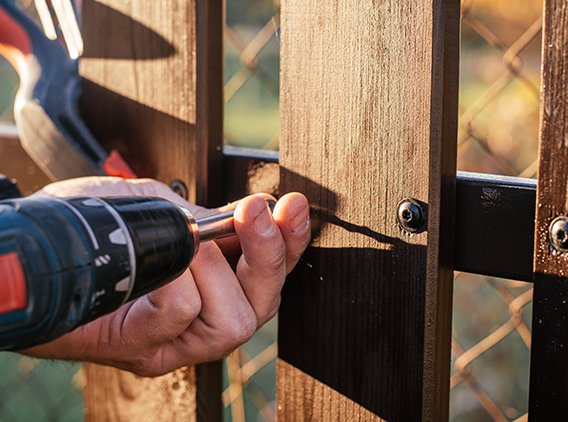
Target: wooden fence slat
<point x="210" y="53"/>
<point x="548" y="396"/>
<point x="139" y="87"/>
<point x="143" y="63"/>
<point x="368" y="117"/>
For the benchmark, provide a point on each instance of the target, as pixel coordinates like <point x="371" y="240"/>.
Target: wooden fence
<point x="369" y="107"/>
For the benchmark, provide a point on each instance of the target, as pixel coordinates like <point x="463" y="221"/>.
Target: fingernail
<point x="301" y="220"/>
<point x="263" y="221"/>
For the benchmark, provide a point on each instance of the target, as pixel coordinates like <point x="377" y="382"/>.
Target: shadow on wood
<point x="139" y="133"/>
<point x="122" y="28"/>
<point x="347" y="322"/>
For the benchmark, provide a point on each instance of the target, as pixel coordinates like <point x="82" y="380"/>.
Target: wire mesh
<point x="39" y="390"/>
<point x="498" y="134"/>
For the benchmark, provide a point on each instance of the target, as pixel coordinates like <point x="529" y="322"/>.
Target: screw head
<point x="558" y="234"/>
<point x="409" y="215"/>
<point x="180" y="188"/>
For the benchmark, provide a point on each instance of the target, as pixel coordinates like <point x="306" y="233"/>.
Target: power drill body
<point x="66" y="262"/>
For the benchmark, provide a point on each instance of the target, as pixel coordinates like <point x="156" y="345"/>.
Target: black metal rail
<point x="494" y="216"/>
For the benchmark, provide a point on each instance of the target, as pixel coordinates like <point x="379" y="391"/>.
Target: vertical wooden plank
<point x="210" y="47"/>
<point x="210" y="56"/>
<point x="368" y="118"/>
<point x="139" y="87"/>
<point x="442" y="207"/>
<point x="548" y="396"/>
<point x="152" y="86"/>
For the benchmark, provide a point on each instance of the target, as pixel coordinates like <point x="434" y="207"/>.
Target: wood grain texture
<point x="143" y="63"/>
<point x="548" y="396"/>
<point x="368" y="117"/>
<point x="314" y="401"/>
<point x="139" y="89"/>
<point x="122" y="396"/>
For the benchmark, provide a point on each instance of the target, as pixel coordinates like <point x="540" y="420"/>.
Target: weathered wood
<point x="548" y="396"/>
<point x="139" y="89"/>
<point x="142" y="66"/>
<point x="368" y="117"/>
<point x="113" y="395"/>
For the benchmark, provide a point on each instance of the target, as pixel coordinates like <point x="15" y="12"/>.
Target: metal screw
<point x="410" y="215"/>
<point x="179" y="187"/>
<point x="558" y="233"/>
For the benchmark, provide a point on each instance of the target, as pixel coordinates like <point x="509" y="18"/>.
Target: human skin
<point x="213" y="308"/>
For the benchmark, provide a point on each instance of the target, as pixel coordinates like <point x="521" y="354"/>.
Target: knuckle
<point x="186" y="309"/>
<point x="240" y="330"/>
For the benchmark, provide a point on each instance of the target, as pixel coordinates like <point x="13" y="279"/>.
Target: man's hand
<point x="211" y="309"/>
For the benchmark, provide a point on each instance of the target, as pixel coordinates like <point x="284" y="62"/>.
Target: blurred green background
<point x="498" y="133"/>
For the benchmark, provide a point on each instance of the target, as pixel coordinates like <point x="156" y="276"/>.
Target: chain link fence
<point x="498" y="133"/>
<point x="39" y="390"/>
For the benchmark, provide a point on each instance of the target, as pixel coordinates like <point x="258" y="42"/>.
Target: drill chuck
<point x="65" y="262"/>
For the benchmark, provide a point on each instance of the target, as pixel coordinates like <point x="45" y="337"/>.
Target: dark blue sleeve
<point x="8" y="188"/>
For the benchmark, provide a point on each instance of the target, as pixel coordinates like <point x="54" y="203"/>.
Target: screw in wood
<point x="409" y="215"/>
<point x="180" y="188"/>
<point x="558" y="234"/>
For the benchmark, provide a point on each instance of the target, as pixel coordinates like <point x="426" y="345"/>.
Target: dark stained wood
<point x="209" y="163"/>
<point x="209" y="390"/>
<point x="209" y="90"/>
<point x="439" y="274"/>
<point x="368" y="117"/>
<point x="548" y="396"/>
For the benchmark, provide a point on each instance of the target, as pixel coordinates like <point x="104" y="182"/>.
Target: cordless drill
<point x="65" y="262"/>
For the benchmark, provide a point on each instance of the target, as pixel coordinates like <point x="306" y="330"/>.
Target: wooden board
<point x="152" y="81"/>
<point x="369" y="117"/>
<point x="113" y="395"/>
<point x="315" y="401"/>
<point x="139" y="89"/>
<point x="548" y="396"/>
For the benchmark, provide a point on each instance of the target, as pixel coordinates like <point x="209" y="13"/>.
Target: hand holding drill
<point x="208" y="311"/>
